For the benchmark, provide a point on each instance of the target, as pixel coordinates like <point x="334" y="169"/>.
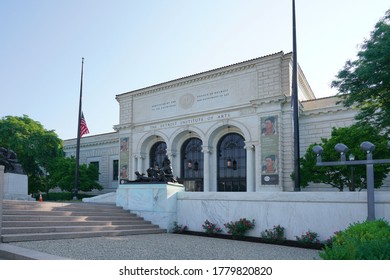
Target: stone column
<point x="133" y="168"/>
<point x="206" y="168"/>
<point x="250" y="168"/>
<point x="1" y="197"/>
<point x="140" y="164"/>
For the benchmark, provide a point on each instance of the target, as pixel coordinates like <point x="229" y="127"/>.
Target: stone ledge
<point x="11" y="252"/>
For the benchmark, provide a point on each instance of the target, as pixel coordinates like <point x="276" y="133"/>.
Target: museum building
<point x="224" y="130"/>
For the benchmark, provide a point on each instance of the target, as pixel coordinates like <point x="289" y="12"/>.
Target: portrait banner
<point x="269" y="150"/>
<point x="124" y="158"/>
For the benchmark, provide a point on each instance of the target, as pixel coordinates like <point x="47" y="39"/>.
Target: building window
<point x="96" y="164"/>
<point x="231" y="175"/>
<point x="115" y="169"/>
<point x="192" y="165"/>
<point x="157" y="154"/>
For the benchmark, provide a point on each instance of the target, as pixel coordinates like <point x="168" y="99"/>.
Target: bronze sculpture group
<point x="155" y="174"/>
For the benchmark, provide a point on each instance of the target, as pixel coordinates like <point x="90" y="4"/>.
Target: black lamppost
<point x="368" y="148"/>
<point x="352" y="186"/>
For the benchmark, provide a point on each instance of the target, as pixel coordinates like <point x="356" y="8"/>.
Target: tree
<point x="63" y="175"/>
<point x="36" y="148"/>
<point x="365" y="82"/>
<point x="341" y="176"/>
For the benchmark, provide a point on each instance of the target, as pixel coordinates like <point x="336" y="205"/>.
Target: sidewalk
<point x="159" y="247"/>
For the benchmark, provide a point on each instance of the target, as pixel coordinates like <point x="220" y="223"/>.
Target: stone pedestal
<point x="16" y="186"/>
<point x="154" y="202"/>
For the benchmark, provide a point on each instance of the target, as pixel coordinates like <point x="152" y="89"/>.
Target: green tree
<point x="365" y="82"/>
<point x="341" y="176"/>
<point x="63" y="175"/>
<point x="36" y="147"/>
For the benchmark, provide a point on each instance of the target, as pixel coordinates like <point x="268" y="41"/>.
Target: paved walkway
<point x="161" y="247"/>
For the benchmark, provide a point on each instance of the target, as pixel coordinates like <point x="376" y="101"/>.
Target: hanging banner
<point x="269" y="150"/>
<point x="124" y="158"/>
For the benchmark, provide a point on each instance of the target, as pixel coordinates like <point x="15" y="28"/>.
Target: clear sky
<point x="131" y="44"/>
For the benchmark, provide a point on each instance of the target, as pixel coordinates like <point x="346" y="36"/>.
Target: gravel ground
<point x="166" y="247"/>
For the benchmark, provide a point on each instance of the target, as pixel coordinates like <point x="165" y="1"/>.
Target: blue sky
<point x="131" y="44"/>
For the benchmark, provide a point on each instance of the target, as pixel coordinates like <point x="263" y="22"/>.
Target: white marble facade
<point x="236" y="99"/>
<point x="154" y="202"/>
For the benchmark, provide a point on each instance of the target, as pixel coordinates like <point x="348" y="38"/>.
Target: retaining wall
<point x="297" y="212"/>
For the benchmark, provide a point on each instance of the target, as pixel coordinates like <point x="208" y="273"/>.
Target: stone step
<point x="59" y="206"/>
<point x="73" y="228"/>
<point x="65" y="218"/>
<point x="28" y="221"/>
<point x="65" y="213"/>
<point x="70" y="235"/>
<point x="70" y="223"/>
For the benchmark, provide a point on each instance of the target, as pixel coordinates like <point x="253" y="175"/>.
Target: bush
<point x="369" y="240"/>
<point x="310" y="237"/>
<point x="211" y="228"/>
<point x="274" y="235"/>
<point x="240" y="227"/>
<point x="178" y="228"/>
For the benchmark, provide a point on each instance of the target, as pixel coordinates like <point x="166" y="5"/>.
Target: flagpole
<point x="297" y="180"/>
<point x="76" y="180"/>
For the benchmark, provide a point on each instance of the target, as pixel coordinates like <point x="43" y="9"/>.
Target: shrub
<point x="178" y="228"/>
<point x="211" y="228"/>
<point x="310" y="237"/>
<point x="369" y="240"/>
<point x="240" y="227"/>
<point x="274" y="235"/>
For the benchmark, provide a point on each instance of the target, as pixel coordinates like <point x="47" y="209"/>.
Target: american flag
<point x="83" y="126"/>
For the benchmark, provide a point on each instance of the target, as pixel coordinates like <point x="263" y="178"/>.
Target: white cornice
<point x="71" y="143"/>
<point x="325" y="111"/>
<point x="123" y="126"/>
<point x="269" y="100"/>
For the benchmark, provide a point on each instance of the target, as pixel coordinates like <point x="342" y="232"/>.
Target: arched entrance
<point x="157" y="154"/>
<point x="231" y="171"/>
<point x="192" y="164"/>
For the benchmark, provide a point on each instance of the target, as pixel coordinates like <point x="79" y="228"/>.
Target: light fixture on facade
<point x="229" y="163"/>
<point x="189" y="164"/>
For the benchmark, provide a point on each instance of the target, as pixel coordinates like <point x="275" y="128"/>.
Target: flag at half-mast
<point x="83" y="126"/>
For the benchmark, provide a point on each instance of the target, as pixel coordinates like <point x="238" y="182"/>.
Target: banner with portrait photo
<point x="269" y="150"/>
<point x="124" y="158"/>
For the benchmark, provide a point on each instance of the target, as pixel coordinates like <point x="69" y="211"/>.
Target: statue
<point x="9" y="160"/>
<point x="155" y="174"/>
<point x="167" y="170"/>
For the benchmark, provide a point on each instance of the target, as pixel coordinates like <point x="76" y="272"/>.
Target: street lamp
<point x="342" y="149"/>
<point x="352" y="158"/>
<point x="369" y="163"/>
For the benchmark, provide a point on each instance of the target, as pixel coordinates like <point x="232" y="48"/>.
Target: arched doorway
<point x="231" y="175"/>
<point x="192" y="165"/>
<point x="157" y="154"/>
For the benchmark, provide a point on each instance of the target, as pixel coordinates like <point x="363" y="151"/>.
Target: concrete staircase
<point x="28" y="221"/>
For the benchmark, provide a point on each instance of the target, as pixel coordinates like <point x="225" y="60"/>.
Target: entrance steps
<point x="30" y="221"/>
